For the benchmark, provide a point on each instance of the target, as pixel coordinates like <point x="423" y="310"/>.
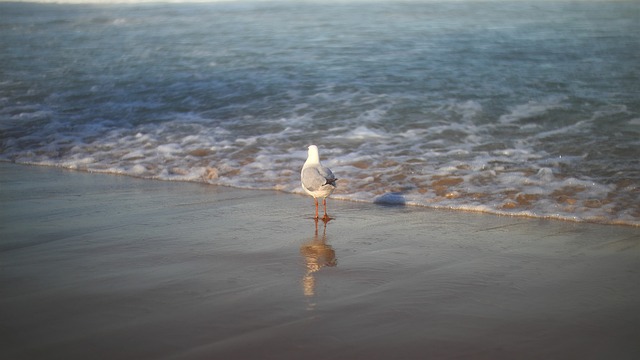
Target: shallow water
<point x="461" y="105"/>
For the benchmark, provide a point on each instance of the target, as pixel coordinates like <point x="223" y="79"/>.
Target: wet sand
<point x="111" y="267"/>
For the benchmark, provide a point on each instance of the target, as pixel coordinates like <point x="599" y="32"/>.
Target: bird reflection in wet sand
<point x="317" y="254"/>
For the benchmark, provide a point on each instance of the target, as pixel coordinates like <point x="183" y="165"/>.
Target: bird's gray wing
<point x="312" y="179"/>
<point x="327" y="174"/>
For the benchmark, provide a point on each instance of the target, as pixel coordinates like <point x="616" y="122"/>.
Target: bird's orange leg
<point x="324" y="204"/>
<point x="316" y="200"/>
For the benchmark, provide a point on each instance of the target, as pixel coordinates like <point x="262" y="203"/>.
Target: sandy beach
<point x="111" y="267"/>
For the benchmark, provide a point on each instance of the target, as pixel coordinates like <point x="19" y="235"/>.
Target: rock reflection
<point x="317" y="254"/>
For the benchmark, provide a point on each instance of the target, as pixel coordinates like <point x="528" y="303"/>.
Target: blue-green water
<point x="512" y="107"/>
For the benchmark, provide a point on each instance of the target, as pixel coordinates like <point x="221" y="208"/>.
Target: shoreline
<point x="113" y="267"/>
<point x="387" y="199"/>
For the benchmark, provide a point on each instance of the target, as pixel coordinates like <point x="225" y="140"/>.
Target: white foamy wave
<point x="532" y="109"/>
<point x="446" y="170"/>
<point x="362" y="133"/>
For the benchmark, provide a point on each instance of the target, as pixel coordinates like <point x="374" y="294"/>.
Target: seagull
<point x="317" y="180"/>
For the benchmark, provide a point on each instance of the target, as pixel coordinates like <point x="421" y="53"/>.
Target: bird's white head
<point x="313" y="156"/>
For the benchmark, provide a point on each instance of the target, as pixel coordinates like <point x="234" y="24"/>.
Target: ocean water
<point x="523" y="108"/>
